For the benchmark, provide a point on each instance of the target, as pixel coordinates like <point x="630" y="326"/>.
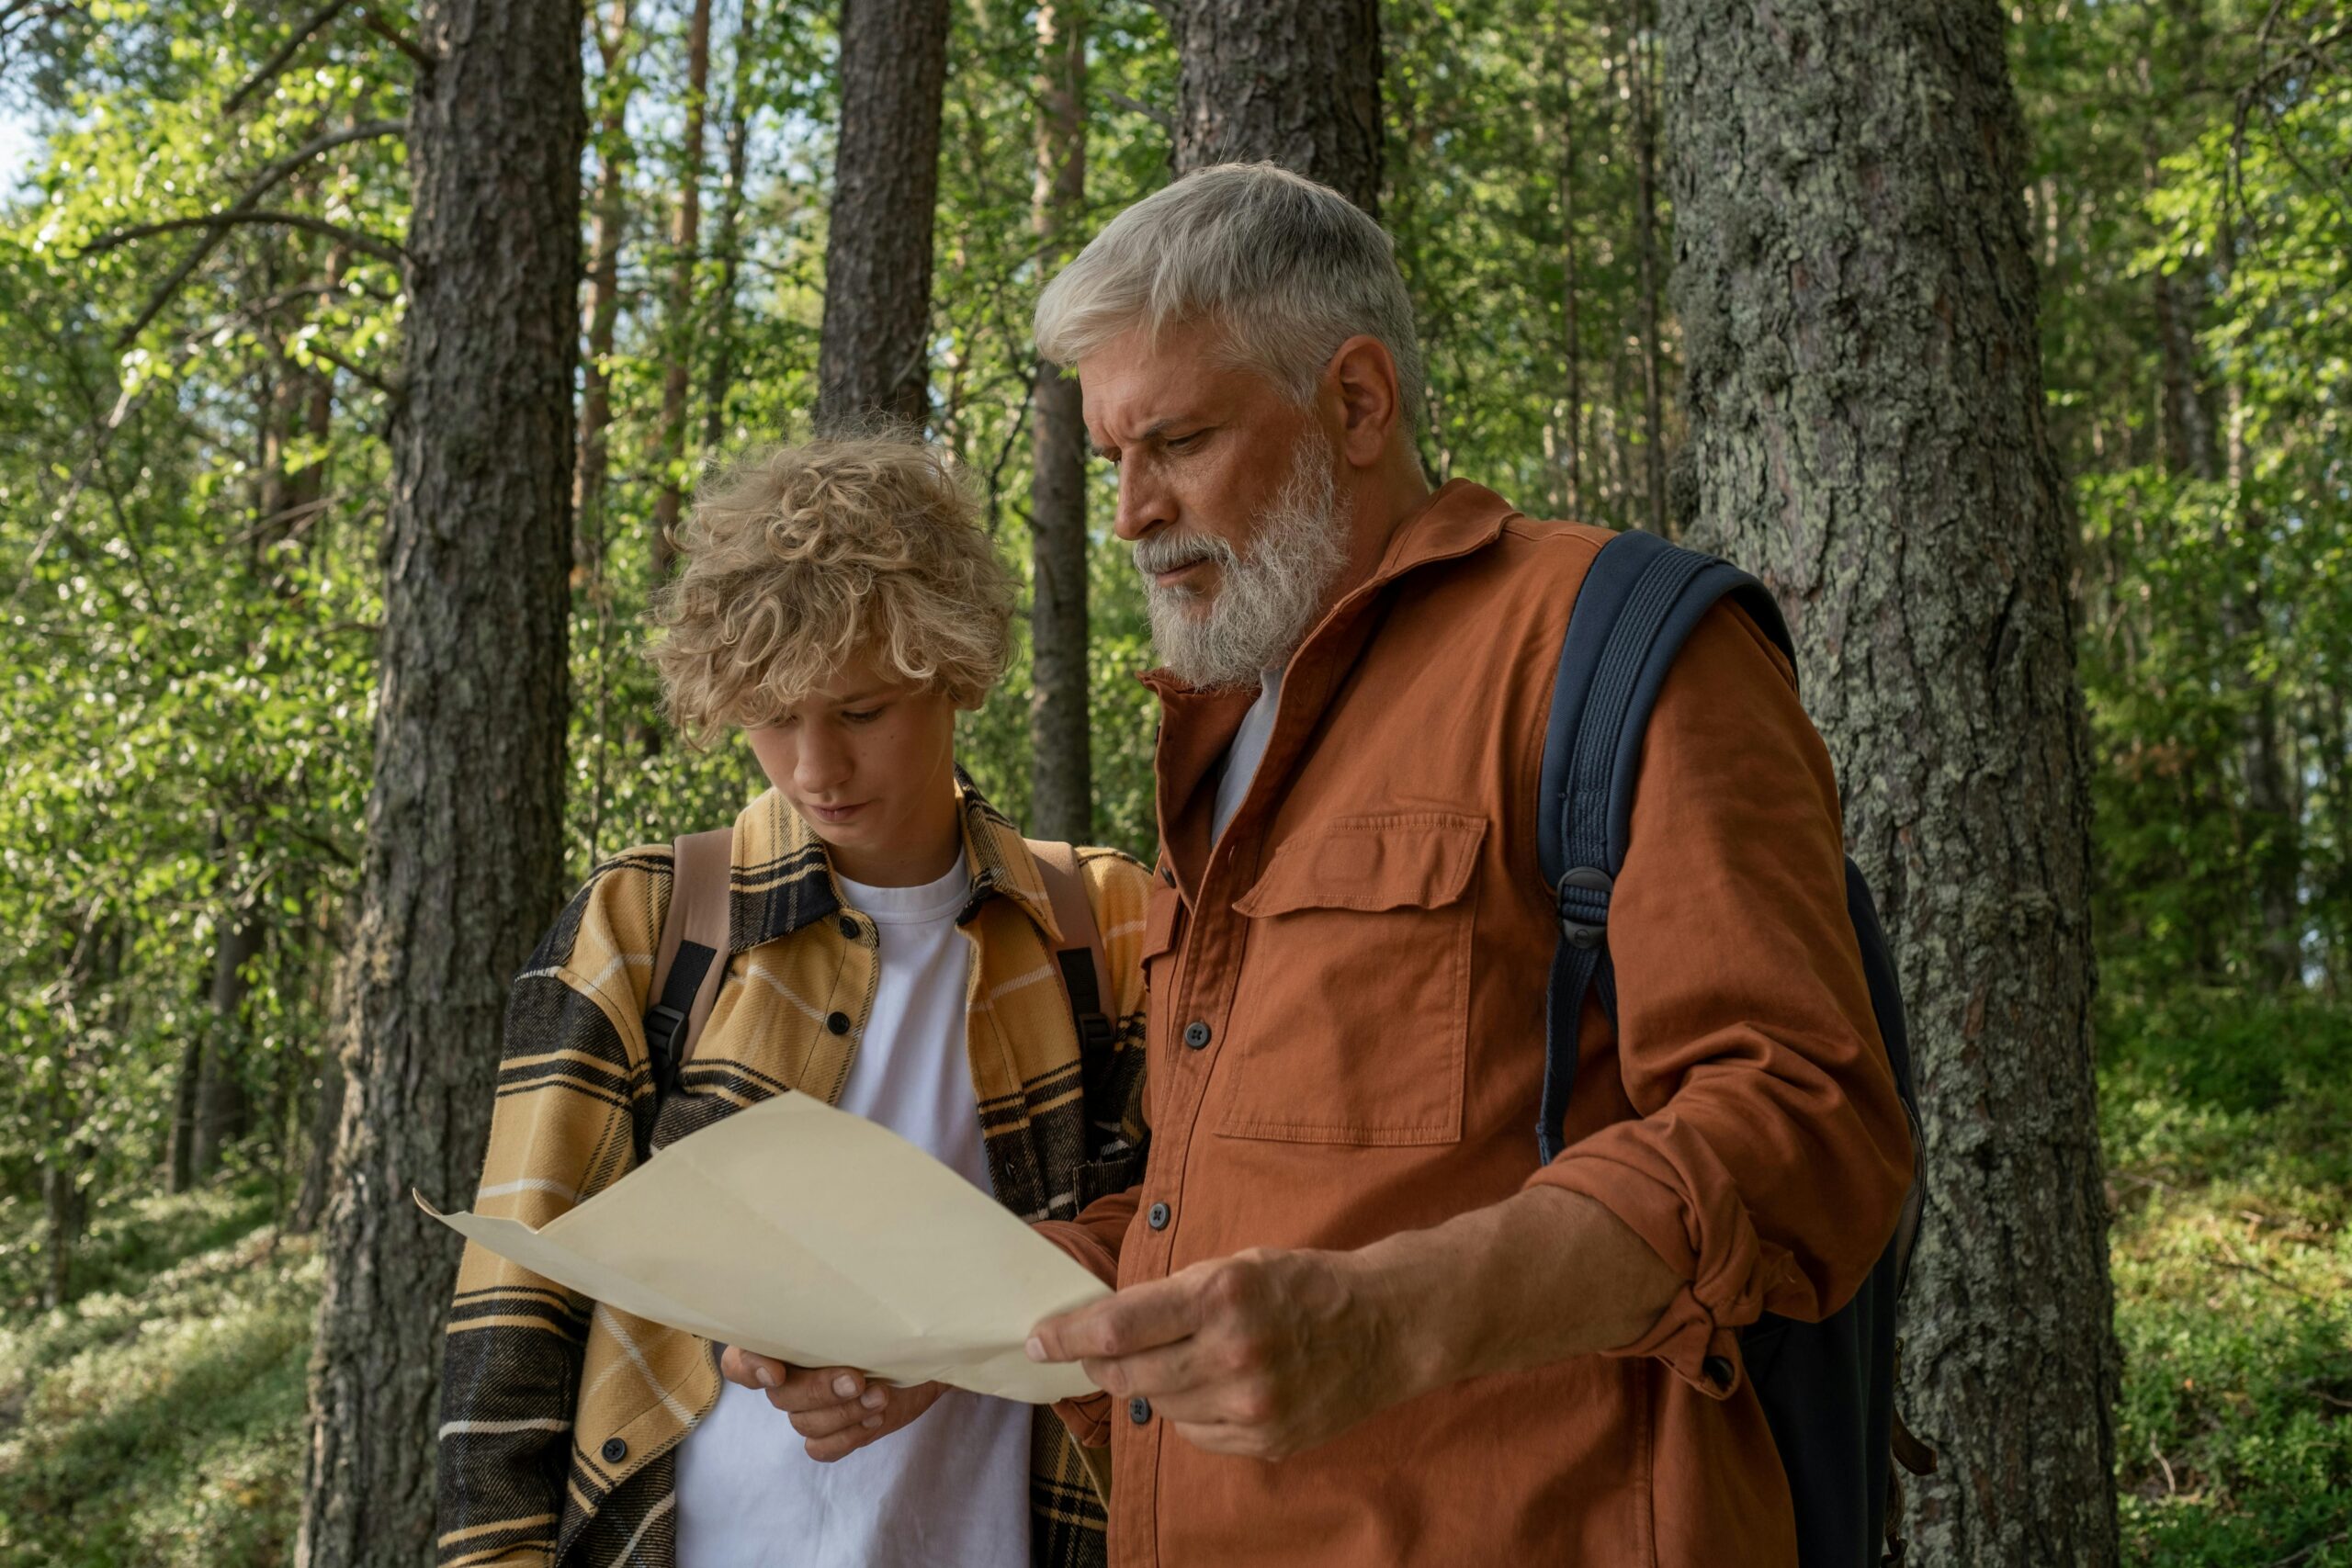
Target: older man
<point x="1358" y="1319"/>
<point x="1345" y="1258"/>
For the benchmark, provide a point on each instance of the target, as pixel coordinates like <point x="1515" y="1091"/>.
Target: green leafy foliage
<point x="193" y="469"/>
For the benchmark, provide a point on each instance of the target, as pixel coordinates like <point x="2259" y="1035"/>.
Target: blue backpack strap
<point x="1639" y="601"/>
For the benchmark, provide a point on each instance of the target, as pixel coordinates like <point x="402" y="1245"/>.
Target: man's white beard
<point x="1266" y="602"/>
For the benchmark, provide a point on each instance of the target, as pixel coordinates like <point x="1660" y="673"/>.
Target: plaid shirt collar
<point x="783" y="880"/>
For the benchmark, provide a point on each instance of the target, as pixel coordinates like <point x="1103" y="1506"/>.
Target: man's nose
<point x="1143" y="505"/>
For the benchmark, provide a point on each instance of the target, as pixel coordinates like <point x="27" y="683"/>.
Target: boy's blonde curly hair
<point x="800" y="559"/>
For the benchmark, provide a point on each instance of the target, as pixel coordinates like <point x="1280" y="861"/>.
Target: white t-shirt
<point x="951" y="1491"/>
<point x="1249" y="750"/>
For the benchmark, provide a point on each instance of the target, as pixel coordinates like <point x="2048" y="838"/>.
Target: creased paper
<point x="820" y="1238"/>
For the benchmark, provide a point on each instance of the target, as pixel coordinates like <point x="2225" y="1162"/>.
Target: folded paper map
<point x="817" y="1237"/>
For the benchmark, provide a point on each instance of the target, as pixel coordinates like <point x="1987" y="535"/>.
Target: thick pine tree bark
<point x="464" y="860"/>
<point x="1060" y="767"/>
<point x="873" y="357"/>
<point x="1858" y="304"/>
<point x="1290" y="81"/>
<point x="678" y="326"/>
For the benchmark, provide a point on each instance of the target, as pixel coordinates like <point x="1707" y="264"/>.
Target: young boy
<point x="892" y="950"/>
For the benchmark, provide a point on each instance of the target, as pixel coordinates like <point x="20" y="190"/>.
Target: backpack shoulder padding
<point x="688" y="962"/>
<point x="1086" y="973"/>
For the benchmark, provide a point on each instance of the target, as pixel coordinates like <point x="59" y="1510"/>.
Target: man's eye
<point x="1186" y="443"/>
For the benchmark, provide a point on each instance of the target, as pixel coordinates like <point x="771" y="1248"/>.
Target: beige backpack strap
<point x="692" y="958"/>
<point x="1086" y="979"/>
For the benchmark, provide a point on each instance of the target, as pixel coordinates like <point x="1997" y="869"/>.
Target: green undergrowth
<point x="155" y="1421"/>
<point x="2228" y="1128"/>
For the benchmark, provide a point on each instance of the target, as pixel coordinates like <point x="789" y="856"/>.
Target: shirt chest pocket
<point x="1352" y="1019"/>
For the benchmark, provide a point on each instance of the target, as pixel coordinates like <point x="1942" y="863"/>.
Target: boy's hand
<point x="838" y="1409"/>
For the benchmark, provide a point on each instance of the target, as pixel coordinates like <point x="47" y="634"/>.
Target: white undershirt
<point x="952" y="1490"/>
<point x="1247" y="749"/>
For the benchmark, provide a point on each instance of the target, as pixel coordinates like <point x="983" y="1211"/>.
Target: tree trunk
<point x="66" y="1215"/>
<point x="1061" y="789"/>
<point x="614" y="43"/>
<point x="464" y="861"/>
<point x="326" y="1112"/>
<point x="1857" y="303"/>
<point x="1641" y="83"/>
<point x="179" y="1157"/>
<point x="874" y="356"/>
<point x="1571" y="327"/>
<point x="1291" y="81"/>
<point x="221" y="1097"/>
<point x="678" y="331"/>
<point x="736" y="142"/>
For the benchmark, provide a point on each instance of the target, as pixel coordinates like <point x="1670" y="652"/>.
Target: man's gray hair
<point x="1289" y="269"/>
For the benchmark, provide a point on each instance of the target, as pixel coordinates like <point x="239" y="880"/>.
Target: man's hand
<point x="1267" y="1353"/>
<point x="1262" y="1354"/>
<point x="838" y="1410"/>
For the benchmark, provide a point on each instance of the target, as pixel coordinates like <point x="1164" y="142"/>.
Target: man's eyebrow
<point x="1152" y="432"/>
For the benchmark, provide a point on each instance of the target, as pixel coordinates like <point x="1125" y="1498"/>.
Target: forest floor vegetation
<point x="154" y="1421"/>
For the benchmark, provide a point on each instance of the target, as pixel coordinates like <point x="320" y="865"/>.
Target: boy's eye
<point x="861" y="715"/>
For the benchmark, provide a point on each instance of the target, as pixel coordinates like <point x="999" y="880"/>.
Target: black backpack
<point x="1827" y="1388"/>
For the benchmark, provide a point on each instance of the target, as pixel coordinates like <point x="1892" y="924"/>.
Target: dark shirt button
<point x="1718" y="1370"/>
<point x="838" y="1024"/>
<point x="1196" y="1034"/>
<point x="1159" y="1216"/>
<point x="614" y="1450"/>
<point x="1139" y="1410"/>
<point x="1168" y="876"/>
<point x="849" y="927"/>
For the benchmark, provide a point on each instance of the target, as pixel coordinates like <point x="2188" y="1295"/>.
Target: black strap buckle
<point x="664" y="1027"/>
<point x="1584" y="906"/>
<point x="1094" y="1031"/>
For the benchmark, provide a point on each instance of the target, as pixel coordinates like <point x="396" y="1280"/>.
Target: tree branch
<point x="286" y="52"/>
<point x="243" y="210"/>
<point x="358" y="238"/>
<point x="1157" y="117"/>
<point x="373" y="21"/>
<point x="358" y="372"/>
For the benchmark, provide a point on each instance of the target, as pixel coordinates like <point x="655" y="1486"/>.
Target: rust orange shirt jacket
<point x="1346" y="1041"/>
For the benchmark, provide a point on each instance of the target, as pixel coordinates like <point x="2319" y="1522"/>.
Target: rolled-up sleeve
<point x="1768" y="1156"/>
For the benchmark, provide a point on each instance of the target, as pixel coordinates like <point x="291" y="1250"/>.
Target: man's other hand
<point x="838" y="1410"/>
<point x="1262" y="1354"/>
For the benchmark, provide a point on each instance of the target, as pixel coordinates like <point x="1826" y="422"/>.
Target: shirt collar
<point x="782" y="880"/>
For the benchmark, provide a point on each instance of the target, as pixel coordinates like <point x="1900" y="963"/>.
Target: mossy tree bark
<point x="1290" y="81"/>
<point x="464" y="860"/>
<point x="1858" y="304"/>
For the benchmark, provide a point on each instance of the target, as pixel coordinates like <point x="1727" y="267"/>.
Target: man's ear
<point x="1366" y="378"/>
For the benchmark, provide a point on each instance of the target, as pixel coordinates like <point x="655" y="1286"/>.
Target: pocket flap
<point x="1404" y="859"/>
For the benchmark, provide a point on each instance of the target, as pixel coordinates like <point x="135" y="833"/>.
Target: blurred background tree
<point x="205" y="300"/>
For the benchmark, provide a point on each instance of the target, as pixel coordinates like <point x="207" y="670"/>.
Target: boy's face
<point x="868" y="761"/>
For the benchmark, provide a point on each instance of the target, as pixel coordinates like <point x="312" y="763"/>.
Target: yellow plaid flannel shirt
<point x="561" y="1416"/>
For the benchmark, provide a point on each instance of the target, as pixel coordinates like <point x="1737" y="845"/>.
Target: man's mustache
<point x="1169" y="552"/>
